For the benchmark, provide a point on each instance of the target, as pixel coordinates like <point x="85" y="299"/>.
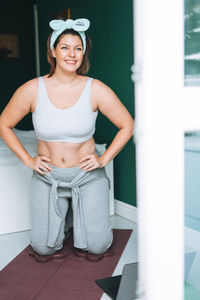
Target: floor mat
<point x="69" y="278"/>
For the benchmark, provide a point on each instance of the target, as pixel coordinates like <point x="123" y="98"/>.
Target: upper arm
<point x="110" y="105"/>
<point x="19" y="105"/>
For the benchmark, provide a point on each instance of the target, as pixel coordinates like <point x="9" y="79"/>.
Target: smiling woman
<point x="69" y="50"/>
<point x="83" y="45"/>
<point x="64" y="106"/>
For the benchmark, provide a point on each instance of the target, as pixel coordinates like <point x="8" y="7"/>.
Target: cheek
<point x="80" y="56"/>
<point x="81" y="61"/>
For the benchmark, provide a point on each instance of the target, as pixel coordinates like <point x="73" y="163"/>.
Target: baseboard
<point x="192" y="238"/>
<point x="126" y="211"/>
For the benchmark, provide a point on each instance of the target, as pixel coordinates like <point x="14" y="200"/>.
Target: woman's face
<point x="68" y="53"/>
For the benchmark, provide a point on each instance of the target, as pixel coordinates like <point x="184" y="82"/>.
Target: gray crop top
<point x="75" y="124"/>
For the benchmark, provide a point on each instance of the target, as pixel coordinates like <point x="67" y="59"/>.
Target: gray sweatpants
<point x="88" y="199"/>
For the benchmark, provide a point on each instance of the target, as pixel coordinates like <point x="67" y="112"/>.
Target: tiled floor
<point x="12" y="244"/>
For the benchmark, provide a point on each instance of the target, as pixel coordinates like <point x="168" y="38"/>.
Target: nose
<point x="71" y="52"/>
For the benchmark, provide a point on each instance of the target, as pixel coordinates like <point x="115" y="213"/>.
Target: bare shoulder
<point x="99" y="86"/>
<point x="109" y="104"/>
<point x="20" y="104"/>
<point x="28" y="88"/>
<point x="25" y="97"/>
<point x="102" y="93"/>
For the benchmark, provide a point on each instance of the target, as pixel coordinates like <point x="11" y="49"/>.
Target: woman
<point x="64" y="106"/>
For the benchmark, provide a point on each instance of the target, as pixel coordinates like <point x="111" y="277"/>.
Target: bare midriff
<point x="64" y="154"/>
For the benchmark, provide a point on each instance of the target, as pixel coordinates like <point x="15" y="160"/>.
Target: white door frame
<point x="164" y="110"/>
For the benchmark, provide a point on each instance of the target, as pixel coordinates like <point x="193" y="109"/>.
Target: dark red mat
<point x="69" y="278"/>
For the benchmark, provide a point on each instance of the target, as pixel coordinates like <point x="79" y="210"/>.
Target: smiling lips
<point x="72" y="62"/>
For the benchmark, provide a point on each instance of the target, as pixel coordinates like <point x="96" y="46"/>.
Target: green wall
<point x="16" y="17"/>
<point x="111" y="58"/>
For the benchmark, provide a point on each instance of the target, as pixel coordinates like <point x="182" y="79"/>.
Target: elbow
<point x="2" y="127"/>
<point x="1" y="131"/>
<point x="130" y="128"/>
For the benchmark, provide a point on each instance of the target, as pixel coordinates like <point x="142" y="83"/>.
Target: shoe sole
<point x="45" y="258"/>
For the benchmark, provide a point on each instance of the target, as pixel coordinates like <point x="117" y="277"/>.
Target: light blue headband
<point x="79" y="25"/>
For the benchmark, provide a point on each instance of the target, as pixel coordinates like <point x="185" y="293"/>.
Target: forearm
<point x="9" y="137"/>
<point x="118" y="143"/>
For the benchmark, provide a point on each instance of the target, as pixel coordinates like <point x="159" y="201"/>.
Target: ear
<point x="53" y="52"/>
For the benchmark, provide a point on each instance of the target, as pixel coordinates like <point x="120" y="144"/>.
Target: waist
<point x="64" y="154"/>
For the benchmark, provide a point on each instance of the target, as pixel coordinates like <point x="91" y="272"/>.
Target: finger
<point x="44" y="158"/>
<point x="43" y="168"/>
<point x="91" y="163"/>
<point x="46" y="166"/>
<point x="40" y="171"/>
<point x="49" y="168"/>
<point x="88" y="167"/>
<point x="88" y="163"/>
<point x="83" y="165"/>
<point x="85" y="158"/>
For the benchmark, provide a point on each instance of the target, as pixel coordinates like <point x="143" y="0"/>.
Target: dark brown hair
<point x="84" y="67"/>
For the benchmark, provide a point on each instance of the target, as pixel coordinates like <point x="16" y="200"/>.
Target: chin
<point x="72" y="69"/>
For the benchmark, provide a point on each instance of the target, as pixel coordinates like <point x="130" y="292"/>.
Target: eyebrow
<point x="69" y="45"/>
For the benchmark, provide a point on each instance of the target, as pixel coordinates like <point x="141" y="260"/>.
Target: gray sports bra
<point x="75" y="124"/>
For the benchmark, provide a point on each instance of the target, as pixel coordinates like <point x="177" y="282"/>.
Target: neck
<point x="63" y="77"/>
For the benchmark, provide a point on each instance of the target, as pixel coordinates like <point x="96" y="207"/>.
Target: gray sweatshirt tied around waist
<point x="72" y="191"/>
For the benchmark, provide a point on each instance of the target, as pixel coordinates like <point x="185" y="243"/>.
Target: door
<point x="165" y="109"/>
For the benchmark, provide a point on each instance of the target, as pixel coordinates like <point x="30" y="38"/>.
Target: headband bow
<point x="79" y="25"/>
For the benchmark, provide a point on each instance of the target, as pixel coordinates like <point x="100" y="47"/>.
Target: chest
<point x="63" y="98"/>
